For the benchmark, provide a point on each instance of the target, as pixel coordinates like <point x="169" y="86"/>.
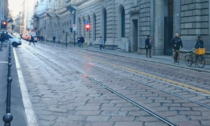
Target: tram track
<point x="163" y="74"/>
<point x="45" y="59"/>
<point x="151" y="86"/>
<point x="124" y="97"/>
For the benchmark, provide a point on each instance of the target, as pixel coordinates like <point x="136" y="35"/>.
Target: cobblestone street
<point x="77" y="87"/>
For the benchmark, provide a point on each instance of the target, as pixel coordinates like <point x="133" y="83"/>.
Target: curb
<point x="190" y="68"/>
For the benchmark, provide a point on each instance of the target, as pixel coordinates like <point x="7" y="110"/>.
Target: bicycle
<point x="196" y="58"/>
<point x="177" y="54"/>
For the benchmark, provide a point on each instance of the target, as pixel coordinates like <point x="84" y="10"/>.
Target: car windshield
<point x="10" y="35"/>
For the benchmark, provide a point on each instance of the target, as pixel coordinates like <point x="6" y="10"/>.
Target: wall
<point x="195" y="22"/>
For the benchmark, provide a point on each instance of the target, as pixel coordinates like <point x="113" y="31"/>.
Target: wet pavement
<point x="70" y="86"/>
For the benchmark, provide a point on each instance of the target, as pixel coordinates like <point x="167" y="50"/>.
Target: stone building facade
<point x="124" y="24"/>
<point x="51" y="18"/>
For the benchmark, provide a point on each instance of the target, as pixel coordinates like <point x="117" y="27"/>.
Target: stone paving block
<point x="187" y="123"/>
<point x="190" y="113"/>
<point x="114" y="113"/>
<point x="99" y="124"/>
<point x="88" y="113"/>
<point x="121" y="119"/>
<point x="110" y="108"/>
<point x="177" y="118"/>
<point x="205" y="123"/>
<point x="128" y="124"/>
<point x="155" y="124"/>
<point x="146" y="119"/>
<point x="168" y="113"/>
<point x="130" y="109"/>
<point x="98" y="118"/>
<point x="180" y="108"/>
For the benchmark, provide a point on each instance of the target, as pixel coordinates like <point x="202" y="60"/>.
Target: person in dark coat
<point x="6" y="41"/>
<point x="176" y="43"/>
<point x="3" y="37"/>
<point x="82" y="40"/>
<point x="199" y="43"/>
<point x="148" y="46"/>
<point x="54" y="39"/>
<point x="32" y="40"/>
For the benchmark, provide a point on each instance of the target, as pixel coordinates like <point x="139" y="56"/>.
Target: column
<point x="177" y="14"/>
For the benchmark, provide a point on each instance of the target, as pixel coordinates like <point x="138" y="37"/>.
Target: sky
<point x="15" y="5"/>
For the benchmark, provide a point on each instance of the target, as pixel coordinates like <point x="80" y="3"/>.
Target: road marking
<point x="29" y="112"/>
<point x="156" y="77"/>
<point x="3" y="62"/>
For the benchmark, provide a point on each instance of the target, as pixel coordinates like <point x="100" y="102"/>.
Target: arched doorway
<point x="168" y="27"/>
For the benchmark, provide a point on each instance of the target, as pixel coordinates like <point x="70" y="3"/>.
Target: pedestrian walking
<point x="148" y="46"/>
<point x="101" y="43"/>
<point x="176" y="43"/>
<point x="78" y="41"/>
<point x="6" y="41"/>
<point x="2" y="39"/>
<point x="82" y="40"/>
<point x="32" y="40"/>
<point x="54" y="39"/>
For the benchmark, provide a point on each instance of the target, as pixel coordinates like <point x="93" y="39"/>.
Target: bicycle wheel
<point x="188" y="60"/>
<point x="200" y="61"/>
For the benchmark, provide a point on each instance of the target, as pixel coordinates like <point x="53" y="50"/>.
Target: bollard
<point x="10" y="54"/>
<point x="9" y="69"/>
<point x="9" y="59"/>
<point x="9" y="81"/>
<point x="7" y="119"/>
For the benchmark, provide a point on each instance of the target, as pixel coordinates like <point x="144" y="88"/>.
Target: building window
<point x="170" y="8"/>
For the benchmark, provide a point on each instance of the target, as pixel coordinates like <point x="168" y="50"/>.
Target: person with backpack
<point x="32" y="40"/>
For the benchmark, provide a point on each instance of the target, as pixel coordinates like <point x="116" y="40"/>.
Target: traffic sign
<point x="74" y="27"/>
<point x="86" y="22"/>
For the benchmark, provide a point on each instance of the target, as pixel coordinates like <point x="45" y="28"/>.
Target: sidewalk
<point x="167" y="60"/>
<point x="17" y="109"/>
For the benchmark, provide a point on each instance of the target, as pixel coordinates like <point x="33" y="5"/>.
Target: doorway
<point x="134" y="44"/>
<point x="168" y="28"/>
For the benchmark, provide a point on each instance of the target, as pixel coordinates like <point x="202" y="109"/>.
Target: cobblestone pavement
<point x="62" y="96"/>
